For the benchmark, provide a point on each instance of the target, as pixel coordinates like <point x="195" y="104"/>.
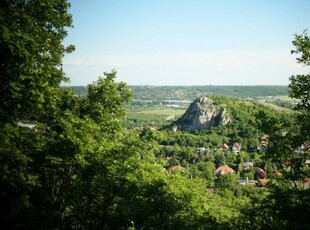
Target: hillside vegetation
<point x="191" y="92"/>
<point x="157" y="106"/>
<point x="75" y="161"/>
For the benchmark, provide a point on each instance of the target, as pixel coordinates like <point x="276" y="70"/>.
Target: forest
<point x="191" y="92"/>
<point x="96" y="159"/>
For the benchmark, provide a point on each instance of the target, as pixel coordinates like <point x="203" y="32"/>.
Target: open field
<point x="152" y="116"/>
<point x="167" y="112"/>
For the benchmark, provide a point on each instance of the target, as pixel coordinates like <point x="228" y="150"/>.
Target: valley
<point x="108" y="154"/>
<point x="200" y="149"/>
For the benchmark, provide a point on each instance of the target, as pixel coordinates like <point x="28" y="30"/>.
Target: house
<point x="223" y="169"/>
<point x="174" y="128"/>
<point x="176" y="168"/>
<point x="277" y="174"/>
<point x="260" y="174"/>
<point x="224" y="148"/>
<point x="236" y="148"/>
<point x="262" y="182"/>
<point x="26" y="124"/>
<point x="247" y="165"/>
<point x="264" y="139"/>
<point x="201" y="150"/>
<point x="262" y="147"/>
<point x="306" y="183"/>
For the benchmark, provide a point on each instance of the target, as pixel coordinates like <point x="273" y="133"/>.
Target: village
<point x="249" y="173"/>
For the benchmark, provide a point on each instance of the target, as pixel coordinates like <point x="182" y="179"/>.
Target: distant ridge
<point x="191" y="92"/>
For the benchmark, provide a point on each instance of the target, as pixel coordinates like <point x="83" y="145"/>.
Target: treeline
<point x="66" y="161"/>
<point x="191" y="92"/>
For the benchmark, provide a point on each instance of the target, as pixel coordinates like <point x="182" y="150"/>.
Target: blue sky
<point x="186" y="42"/>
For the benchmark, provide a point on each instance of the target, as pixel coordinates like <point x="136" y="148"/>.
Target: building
<point x="236" y="148"/>
<point x="223" y="169"/>
<point x="224" y="148"/>
<point x="201" y="150"/>
<point x="247" y="165"/>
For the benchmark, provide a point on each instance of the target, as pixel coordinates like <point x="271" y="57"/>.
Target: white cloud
<point x="226" y="67"/>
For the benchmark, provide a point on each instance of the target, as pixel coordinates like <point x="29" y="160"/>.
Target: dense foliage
<point x="66" y="162"/>
<point x="289" y="151"/>
<point x="31" y="52"/>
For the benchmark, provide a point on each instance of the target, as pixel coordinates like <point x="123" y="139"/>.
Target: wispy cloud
<point x="225" y="67"/>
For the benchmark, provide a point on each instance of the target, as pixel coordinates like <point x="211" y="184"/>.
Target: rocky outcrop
<point x="202" y="114"/>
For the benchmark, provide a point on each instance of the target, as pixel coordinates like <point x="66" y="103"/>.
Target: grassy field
<point x="165" y="111"/>
<point x="169" y="113"/>
<point x="152" y="116"/>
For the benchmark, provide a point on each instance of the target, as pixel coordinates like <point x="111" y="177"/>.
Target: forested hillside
<point x="71" y="161"/>
<point x="191" y="92"/>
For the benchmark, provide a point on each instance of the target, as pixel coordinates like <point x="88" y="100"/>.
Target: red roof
<point x="224" y="169"/>
<point x="307" y="181"/>
<point x="261" y="173"/>
<point x="176" y="168"/>
<point x="263" y="182"/>
<point x="224" y="147"/>
<point x="277" y="173"/>
<point x="237" y="145"/>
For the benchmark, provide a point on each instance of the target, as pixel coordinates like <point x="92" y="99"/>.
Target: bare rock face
<point x="202" y="114"/>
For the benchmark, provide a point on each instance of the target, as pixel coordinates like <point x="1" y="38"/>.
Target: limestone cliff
<point x="202" y="114"/>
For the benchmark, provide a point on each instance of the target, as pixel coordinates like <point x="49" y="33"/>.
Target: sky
<point x="186" y="42"/>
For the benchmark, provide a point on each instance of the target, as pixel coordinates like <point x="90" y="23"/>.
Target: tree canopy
<point x="288" y="202"/>
<point x="31" y="52"/>
<point x="76" y="167"/>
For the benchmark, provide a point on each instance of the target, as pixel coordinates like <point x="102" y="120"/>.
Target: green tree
<point x="227" y="181"/>
<point x="78" y="168"/>
<point x="106" y="98"/>
<point x="287" y="204"/>
<point x="31" y="52"/>
<point x="300" y="84"/>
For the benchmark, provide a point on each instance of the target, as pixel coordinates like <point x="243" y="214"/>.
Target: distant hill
<point x="192" y="92"/>
<point x="234" y="117"/>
